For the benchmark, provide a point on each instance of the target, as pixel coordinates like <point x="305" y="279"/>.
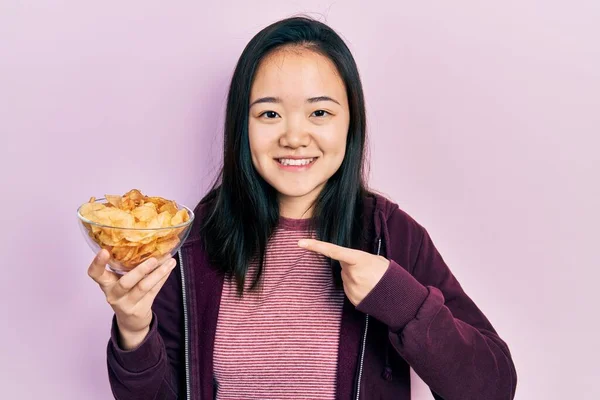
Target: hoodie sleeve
<point x="151" y="370"/>
<point x="434" y="325"/>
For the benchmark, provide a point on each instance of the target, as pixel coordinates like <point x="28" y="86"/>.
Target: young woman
<point x="296" y="280"/>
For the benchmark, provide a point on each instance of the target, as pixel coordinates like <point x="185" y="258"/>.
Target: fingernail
<point x="303" y="243"/>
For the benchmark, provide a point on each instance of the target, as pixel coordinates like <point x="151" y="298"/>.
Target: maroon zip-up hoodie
<point x="417" y="315"/>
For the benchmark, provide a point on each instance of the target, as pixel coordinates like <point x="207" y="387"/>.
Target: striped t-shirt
<point x="281" y="342"/>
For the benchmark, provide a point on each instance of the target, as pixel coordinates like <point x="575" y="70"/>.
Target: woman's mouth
<point x="295" y="164"/>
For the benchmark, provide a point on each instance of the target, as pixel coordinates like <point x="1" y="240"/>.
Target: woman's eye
<point x="320" y="113"/>
<point x="269" y="114"/>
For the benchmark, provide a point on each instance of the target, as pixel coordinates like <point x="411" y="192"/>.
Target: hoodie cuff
<point x="145" y="356"/>
<point x="396" y="298"/>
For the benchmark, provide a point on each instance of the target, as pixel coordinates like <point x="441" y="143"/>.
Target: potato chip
<point x="170" y="207"/>
<point x="147" y="248"/>
<point x="88" y="209"/>
<point x="132" y="199"/>
<point x="139" y="237"/>
<point x="157" y="201"/>
<point x="165" y="246"/>
<point x="124" y="253"/>
<point x="180" y="217"/>
<point x="115" y="201"/>
<point x="145" y="212"/>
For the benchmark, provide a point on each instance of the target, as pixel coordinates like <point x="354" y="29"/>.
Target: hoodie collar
<point x="377" y="210"/>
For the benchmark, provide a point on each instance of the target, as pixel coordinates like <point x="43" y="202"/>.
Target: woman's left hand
<point x="361" y="271"/>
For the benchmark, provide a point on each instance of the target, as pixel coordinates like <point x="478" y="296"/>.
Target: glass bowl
<point x="129" y="247"/>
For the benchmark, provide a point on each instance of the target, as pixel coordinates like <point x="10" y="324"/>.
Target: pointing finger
<point x="330" y="250"/>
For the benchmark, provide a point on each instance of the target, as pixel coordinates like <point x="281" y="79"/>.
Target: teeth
<point x="287" y="161"/>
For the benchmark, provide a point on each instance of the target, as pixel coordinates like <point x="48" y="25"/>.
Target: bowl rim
<point x="182" y="225"/>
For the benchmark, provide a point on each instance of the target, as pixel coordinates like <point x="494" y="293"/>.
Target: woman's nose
<point x="296" y="135"/>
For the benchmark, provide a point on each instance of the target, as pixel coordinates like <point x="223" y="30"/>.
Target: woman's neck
<point x="296" y="207"/>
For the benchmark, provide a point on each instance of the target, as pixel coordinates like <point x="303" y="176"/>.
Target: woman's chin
<point x="297" y="193"/>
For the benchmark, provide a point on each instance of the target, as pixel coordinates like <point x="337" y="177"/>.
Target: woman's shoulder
<point x="402" y="234"/>
<point x="389" y="212"/>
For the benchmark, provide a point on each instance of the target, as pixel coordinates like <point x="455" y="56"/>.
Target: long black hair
<point x="244" y="210"/>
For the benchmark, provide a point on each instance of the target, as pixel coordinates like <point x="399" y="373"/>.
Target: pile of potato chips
<point x="124" y="216"/>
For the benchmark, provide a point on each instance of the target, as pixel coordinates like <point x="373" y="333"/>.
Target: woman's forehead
<point x="295" y="74"/>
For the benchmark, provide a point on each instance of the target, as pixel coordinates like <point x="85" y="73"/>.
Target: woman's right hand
<point x="131" y="295"/>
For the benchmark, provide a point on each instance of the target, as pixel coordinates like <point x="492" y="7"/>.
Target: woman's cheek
<point x="332" y="141"/>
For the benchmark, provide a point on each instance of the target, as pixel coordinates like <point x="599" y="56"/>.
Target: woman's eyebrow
<point x="322" y="98"/>
<point x="266" y="100"/>
<point x="278" y="100"/>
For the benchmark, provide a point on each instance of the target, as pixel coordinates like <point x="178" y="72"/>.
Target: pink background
<point x="484" y="123"/>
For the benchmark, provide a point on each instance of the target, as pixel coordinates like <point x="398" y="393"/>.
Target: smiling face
<point x="298" y="125"/>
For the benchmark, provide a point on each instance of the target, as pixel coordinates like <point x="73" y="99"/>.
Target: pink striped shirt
<point x="281" y="342"/>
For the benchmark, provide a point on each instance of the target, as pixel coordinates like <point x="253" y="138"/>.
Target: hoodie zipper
<point x="362" y="356"/>
<point x="364" y="341"/>
<point x="185" y="329"/>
